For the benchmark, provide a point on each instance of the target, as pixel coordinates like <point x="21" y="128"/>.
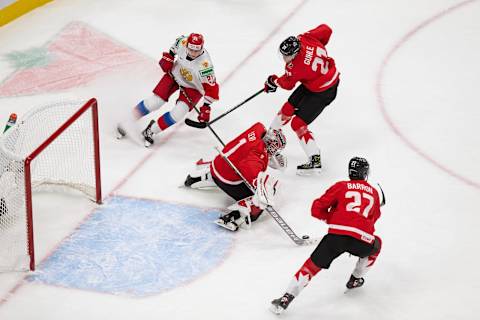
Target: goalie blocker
<point x="250" y="153"/>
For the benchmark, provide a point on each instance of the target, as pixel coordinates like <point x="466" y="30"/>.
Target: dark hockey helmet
<point x="358" y="168"/>
<point x="275" y="141"/>
<point x="289" y="46"/>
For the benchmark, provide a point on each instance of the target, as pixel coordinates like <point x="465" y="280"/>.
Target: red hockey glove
<point x="204" y="115"/>
<point x="270" y="85"/>
<point x="166" y="63"/>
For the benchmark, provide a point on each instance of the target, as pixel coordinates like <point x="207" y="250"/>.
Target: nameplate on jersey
<point x="206" y="72"/>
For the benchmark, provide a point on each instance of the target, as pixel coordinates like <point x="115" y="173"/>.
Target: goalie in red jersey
<point x="250" y="153"/>
<point x="307" y="62"/>
<point x="350" y="208"/>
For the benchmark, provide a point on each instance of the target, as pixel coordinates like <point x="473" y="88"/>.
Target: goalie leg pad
<point x="200" y="179"/>
<point x="266" y="190"/>
<point x="231" y="221"/>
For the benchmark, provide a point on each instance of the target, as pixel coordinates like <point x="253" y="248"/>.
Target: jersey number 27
<point x="319" y="61"/>
<point x="356" y="204"/>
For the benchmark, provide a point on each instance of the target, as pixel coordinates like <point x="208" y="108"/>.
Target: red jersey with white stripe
<point x="248" y="154"/>
<point x="349" y="208"/>
<point x="311" y="66"/>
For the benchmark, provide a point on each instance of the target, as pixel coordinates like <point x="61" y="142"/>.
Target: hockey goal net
<point x="54" y="146"/>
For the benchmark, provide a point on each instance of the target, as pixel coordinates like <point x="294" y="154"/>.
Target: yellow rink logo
<point x="186" y="74"/>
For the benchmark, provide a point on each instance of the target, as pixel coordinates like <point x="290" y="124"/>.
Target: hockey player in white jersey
<point x="186" y="65"/>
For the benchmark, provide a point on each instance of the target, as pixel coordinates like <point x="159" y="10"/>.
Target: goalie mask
<point x="358" y="168"/>
<point x="275" y="141"/>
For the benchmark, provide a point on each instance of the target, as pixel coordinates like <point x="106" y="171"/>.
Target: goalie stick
<point x="305" y="240"/>
<point x="202" y="125"/>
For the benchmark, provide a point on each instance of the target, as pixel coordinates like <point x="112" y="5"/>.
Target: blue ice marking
<point x="138" y="248"/>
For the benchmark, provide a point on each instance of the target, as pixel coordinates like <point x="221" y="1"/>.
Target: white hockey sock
<point x="309" y="146"/>
<point x="361" y="268"/>
<point x="277" y="122"/>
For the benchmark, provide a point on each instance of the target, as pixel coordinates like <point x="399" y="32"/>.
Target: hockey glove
<point x="166" y="63"/>
<point x="204" y="115"/>
<point x="270" y="84"/>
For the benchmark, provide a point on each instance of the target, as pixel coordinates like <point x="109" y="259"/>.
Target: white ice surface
<point x="407" y="101"/>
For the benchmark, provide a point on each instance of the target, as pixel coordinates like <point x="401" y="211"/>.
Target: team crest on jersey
<point x="186" y="74"/>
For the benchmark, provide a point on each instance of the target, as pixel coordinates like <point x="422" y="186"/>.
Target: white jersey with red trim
<point x="197" y="73"/>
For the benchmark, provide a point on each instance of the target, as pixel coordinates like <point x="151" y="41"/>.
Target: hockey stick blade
<point x="195" y="124"/>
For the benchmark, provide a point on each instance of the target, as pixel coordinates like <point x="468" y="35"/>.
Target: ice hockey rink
<point x="407" y="102"/>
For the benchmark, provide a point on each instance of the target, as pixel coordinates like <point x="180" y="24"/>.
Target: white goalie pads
<point x="266" y="189"/>
<point x="204" y="178"/>
<point x="278" y="161"/>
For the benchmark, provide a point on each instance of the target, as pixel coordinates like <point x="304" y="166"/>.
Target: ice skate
<point x="314" y="166"/>
<point x="279" y="305"/>
<point x="355" y="282"/>
<point x="230" y="221"/>
<point x="148" y="134"/>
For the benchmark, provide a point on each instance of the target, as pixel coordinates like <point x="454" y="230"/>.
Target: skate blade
<point x="309" y="172"/>
<point x="229" y="226"/>
<point x="350" y="290"/>
<point x="276" y="309"/>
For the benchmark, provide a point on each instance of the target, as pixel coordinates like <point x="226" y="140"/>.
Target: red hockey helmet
<point x="195" y="42"/>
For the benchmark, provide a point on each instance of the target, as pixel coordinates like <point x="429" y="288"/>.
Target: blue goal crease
<point x="137" y="247"/>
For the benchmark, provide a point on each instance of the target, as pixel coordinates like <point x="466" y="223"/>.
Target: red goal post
<point x="54" y="146"/>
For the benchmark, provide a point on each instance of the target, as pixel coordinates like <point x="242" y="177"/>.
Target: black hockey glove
<point x="270" y="85"/>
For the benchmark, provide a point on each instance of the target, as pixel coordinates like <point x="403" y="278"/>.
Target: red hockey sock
<point x="301" y="129"/>
<point x="308" y="269"/>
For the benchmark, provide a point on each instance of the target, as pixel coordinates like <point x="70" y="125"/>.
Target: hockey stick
<point x="383" y="195"/>
<point x="305" y="240"/>
<point x="198" y="111"/>
<point x="202" y="125"/>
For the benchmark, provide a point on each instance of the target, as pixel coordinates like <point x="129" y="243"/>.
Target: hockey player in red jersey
<point x="250" y="153"/>
<point x="187" y="65"/>
<point x="350" y="208"/>
<point x="307" y="62"/>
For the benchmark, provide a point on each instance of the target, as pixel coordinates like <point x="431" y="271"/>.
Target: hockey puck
<point x="305" y="237"/>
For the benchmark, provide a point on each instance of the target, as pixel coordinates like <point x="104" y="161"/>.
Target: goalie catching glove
<point x="266" y="190"/>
